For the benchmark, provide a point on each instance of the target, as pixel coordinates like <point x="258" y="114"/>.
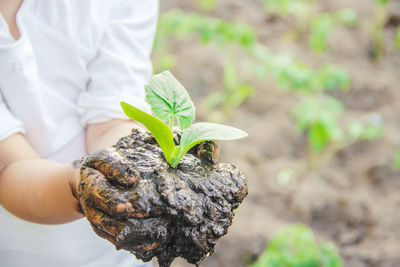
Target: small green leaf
<point x="396" y="160"/>
<point x="397" y="38"/>
<point x="318" y="137"/>
<point x="295" y="246"/>
<point x="160" y="130"/>
<point x="168" y="99"/>
<point x="346" y="17"/>
<point x="383" y="2"/>
<point x="203" y="131"/>
<point x="371" y="132"/>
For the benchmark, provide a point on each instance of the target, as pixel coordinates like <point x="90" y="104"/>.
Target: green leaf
<point x="169" y="99"/>
<point x="397" y="38"/>
<point x="160" y="130"/>
<point x="371" y="132"/>
<point x="203" y="131"/>
<point x="318" y="137"/>
<point x="295" y="246"/>
<point x="396" y="160"/>
<point x="383" y="2"/>
<point x="346" y="17"/>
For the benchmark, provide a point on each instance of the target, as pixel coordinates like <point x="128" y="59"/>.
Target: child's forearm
<point x="39" y="191"/>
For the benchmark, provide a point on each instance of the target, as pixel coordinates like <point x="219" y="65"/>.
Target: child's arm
<point x="39" y="190"/>
<point x="35" y="189"/>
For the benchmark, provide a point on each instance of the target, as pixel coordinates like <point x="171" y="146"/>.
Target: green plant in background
<point x="397" y="38"/>
<point x="377" y="31"/>
<point x="321" y="26"/>
<point x="317" y="116"/>
<point x="396" y="160"/>
<point x="207" y="5"/>
<point x="184" y="25"/>
<point x="323" y="23"/>
<point x="295" y="246"/>
<point x="302" y="10"/>
<point x="169" y="101"/>
<point x="318" y="25"/>
<point x="235" y="92"/>
<point x="297" y="76"/>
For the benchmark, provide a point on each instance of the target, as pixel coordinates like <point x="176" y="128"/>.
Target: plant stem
<point x="377" y="34"/>
<point x="171" y="122"/>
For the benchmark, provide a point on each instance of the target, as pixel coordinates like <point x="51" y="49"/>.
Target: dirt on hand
<point x="154" y="210"/>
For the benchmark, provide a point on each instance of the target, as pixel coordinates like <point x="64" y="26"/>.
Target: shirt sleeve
<point x="8" y="123"/>
<point x="122" y="65"/>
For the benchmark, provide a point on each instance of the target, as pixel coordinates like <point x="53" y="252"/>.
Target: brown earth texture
<point x="353" y="198"/>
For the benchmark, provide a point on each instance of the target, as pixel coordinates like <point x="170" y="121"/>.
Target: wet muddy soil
<point x="173" y="212"/>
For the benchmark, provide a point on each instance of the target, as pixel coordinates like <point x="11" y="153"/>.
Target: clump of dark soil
<point x="175" y="212"/>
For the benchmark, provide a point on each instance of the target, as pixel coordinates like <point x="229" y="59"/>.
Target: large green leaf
<point x="160" y="130"/>
<point x="169" y="99"/>
<point x="204" y="131"/>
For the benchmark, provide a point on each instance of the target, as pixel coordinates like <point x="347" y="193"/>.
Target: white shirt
<point x="75" y="61"/>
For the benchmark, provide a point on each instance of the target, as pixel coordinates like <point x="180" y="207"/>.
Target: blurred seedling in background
<point x="397" y="38"/>
<point x="377" y="49"/>
<point x="318" y="117"/>
<point x="206" y="5"/>
<point x="301" y="10"/>
<point x="308" y="21"/>
<point x="169" y="101"/>
<point x="220" y="104"/>
<point x="317" y="114"/>
<point x="183" y="26"/>
<point x="296" y="76"/>
<point x="396" y="160"/>
<point x="323" y="23"/>
<point x="295" y="246"/>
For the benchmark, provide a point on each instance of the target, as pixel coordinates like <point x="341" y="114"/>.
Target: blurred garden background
<point x="316" y="84"/>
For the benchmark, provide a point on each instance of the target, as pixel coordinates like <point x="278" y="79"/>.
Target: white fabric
<point x="75" y="61"/>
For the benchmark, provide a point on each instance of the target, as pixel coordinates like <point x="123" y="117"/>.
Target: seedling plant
<point x="295" y="246"/>
<point x="318" y="116"/>
<point x="396" y="160"/>
<point x="377" y="31"/>
<point x="169" y="100"/>
<point x="323" y="23"/>
<point x="302" y="10"/>
<point x="207" y="5"/>
<point x="308" y="21"/>
<point x="221" y="103"/>
<point x="397" y="38"/>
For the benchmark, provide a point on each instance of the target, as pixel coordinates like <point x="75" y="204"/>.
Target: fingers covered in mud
<point x="102" y="224"/>
<point x="114" y="166"/>
<point x="97" y="192"/>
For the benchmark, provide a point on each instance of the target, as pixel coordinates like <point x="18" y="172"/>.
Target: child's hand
<point x="105" y="192"/>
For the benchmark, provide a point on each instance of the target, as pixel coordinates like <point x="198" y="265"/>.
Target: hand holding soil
<point x="134" y="199"/>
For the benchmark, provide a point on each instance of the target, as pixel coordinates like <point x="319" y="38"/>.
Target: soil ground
<point x="352" y="199"/>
